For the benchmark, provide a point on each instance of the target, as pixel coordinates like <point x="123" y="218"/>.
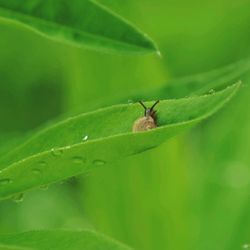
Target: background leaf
<point x="9" y="247"/>
<point x="81" y="23"/>
<point x="75" y="240"/>
<point x="203" y="83"/>
<point x="49" y="157"/>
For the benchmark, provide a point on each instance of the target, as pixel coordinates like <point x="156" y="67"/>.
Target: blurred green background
<point x="190" y="193"/>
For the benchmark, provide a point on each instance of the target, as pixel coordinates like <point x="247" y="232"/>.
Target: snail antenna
<point x="143" y="105"/>
<point x="151" y="109"/>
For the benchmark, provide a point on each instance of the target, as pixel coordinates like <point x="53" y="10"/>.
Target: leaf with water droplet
<point x="5" y="181"/>
<point x="99" y="162"/>
<point x="44" y="187"/>
<point x="78" y="160"/>
<point x="246" y="246"/>
<point x="42" y="163"/>
<point x="18" y="198"/>
<point x="56" y="152"/>
<point x="211" y="91"/>
<point x="111" y="139"/>
<point x="36" y="171"/>
<point x="199" y="84"/>
<point x="85" y="138"/>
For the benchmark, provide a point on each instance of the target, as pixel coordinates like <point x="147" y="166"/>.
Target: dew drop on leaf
<point x="36" y="171"/>
<point x="158" y="53"/>
<point x="44" y="187"/>
<point x="43" y="163"/>
<point x="211" y="91"/>
<point x="56" y="152"/>
<point x="63" y="182"/>
<point x="5" y="181"/>
<point x="78" y="160"/>
<point x="246" y="246"/>
<point x="18" y="198"/>
<point x="85" y="138"/>
<point x="99" y="162"/>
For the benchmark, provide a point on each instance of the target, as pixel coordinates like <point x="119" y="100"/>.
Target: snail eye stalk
<point x="151" y="109"/>
<point x="145" y="108"/>
<point x="143" y="105"/>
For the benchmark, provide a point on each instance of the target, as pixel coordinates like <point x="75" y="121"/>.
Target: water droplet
<point x="85" y="138"/>
<point x="78" y="160"/>
<point x="43" y="163"/>
<point x="246" y="246"/>
<point x="18" y="198"/>
<point x="158" y="53"/>
<point x="5" y="181"/>
<point x="99" y="162"/>
<point x="56" y="152"/>
<point x="44" y="187"/>
<point x="130" y="101"/>
<point x="211" y="91"/>
<point x="36" y="171"/>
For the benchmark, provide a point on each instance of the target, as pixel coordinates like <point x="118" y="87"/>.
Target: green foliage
<point x="53" y="240"/>
<point x="190" y="192"/>
<point x="50" y="157"/>
<point x="194" y="85"/>
<point x="81" y="23"/>
<point x="5" y="247"/>
<point x="203" y="83"/>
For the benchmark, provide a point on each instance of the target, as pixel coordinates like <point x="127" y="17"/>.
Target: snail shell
<point x="144" y="123"/>
<point x="148" y="121"/>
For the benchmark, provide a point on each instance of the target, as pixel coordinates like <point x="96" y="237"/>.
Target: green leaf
<point x="203" y="83"/>
<point x="59" y="239"/>
<point x="199" y="84"/>
<point x="5" y="247"/>
<point x="78" y="144"/>
<point x="82" y="23"/>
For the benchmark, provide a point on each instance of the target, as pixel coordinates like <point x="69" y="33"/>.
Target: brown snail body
<point x="147" y="122"/>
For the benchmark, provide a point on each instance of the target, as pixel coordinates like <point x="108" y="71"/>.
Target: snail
<point x="149" y="121"/>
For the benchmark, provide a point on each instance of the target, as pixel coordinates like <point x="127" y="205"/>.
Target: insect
<point x="148" y="121"/>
